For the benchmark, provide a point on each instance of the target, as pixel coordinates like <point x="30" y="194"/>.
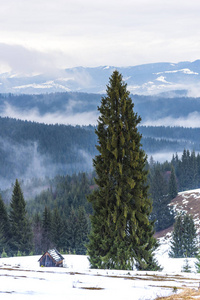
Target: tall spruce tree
<point x="21" y="233"/>
<point x="122" y="235"/>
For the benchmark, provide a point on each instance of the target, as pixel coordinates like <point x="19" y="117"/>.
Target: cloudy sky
<point x="41" y="35"/>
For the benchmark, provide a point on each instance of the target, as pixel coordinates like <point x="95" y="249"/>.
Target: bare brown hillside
<point x="188" y="201"/>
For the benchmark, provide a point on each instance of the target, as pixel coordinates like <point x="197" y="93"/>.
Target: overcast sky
<point x="41" y="35"/>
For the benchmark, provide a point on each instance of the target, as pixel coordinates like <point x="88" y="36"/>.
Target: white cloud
<point x="66" y="117"/>
<point x="192" y="120"/>
<point x="90" y="33"/>
<point x="163" y="156"/>
<point x="22" y="60"/>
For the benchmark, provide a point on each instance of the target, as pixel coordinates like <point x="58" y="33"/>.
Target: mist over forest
<point x="36" y="140"/>
<point x="33" y="150"/>
<point x="81" y="108"/>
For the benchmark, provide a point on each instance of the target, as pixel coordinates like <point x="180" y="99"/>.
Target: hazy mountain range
<point x="145" y="79"/>
<point x="81" y="108"/>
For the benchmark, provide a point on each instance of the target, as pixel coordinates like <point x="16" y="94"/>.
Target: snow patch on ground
<point x="196" y="191"/>
<point x="22" y="278"/>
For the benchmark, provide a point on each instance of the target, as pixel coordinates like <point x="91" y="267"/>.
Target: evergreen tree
<point x="177" y="238"/>
<point x="189" y="236"/>
<point x="184" y="243"/>
<point x="37" y="234"/>
<point x="46" y="229"/>
<point x="4" y="227"/>
<point x="71" y="231"/>
<point x="57" y="229"/>
<point x="161" y="213"/>
<point x="197" y="263"/>
<point x="194" y="170"/>
<point x="186" y="267"/>
<point x="185" y="171"/>
<point x="82" y="231"/>
<point x="21" y="233"/>
<point x="122" y="234"/>
<point x="173" y="191"/>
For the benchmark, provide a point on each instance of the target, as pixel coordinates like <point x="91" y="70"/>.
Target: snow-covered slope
<point x="188" y="202"/>
<point x="22" y="278"/>
<point x="142" y="79"/>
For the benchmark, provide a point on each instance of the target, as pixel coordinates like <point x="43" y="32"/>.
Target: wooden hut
<point x="51" y="258"/>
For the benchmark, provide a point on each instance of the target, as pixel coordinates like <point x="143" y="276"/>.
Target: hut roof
<point x="56" y="256"/>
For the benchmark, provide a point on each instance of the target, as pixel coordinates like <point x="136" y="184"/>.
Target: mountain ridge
<point x="145" y="79"/>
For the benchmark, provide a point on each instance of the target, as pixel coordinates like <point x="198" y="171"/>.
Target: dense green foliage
<point x="4" y="227"/>
<point x="184" y="243"/>
<point x="173" y="189"/>
<point x="187" y="170"/>
<point x="121" y="234"/>
<point x="160" y="193"/>
<point x="57" y="217"/>
<point x="65" y="199"/>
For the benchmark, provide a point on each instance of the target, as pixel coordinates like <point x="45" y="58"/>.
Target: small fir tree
<point x="122" y="234"/>
<point x="177" y="238"/>
<point x="4" y="227"/>
<point x="173" y="190"/>
<point x="161" y="213"/>
<point x="4" y="254"/>
<point x="184" y="237"/>
<point x="197" y="263"/>
<point x="21" y="233"/>
<point x="186" y="267"/>
<point x="189" y="236"/>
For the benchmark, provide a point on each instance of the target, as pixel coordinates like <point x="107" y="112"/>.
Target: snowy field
<point x="22" y="278"/>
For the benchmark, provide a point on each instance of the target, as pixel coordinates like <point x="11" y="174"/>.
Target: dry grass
<point x="92" y="288"/>
<point x="187" y="294"/>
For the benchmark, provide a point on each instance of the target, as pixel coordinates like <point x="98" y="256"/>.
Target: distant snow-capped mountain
<point x="142" y="79"/>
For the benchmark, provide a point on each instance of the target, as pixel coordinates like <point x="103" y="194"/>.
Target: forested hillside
<point x="59" y="214"/>
<point x="57" y="107"/>
<point x="30" y="149"/>
<point x="57" y="217"/>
